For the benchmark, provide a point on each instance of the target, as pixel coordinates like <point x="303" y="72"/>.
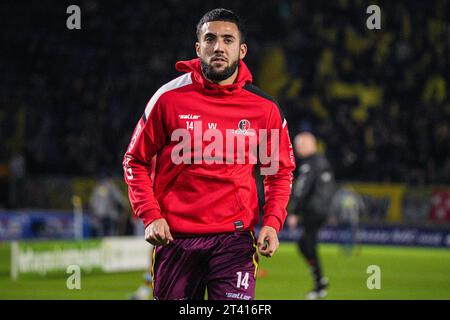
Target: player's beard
<point x="209" y="73"/>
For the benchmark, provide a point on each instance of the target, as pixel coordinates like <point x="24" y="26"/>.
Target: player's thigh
<point x="177" y="273"/>
<point x="233" y="269"/>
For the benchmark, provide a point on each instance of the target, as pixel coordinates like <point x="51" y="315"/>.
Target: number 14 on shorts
<point x="242" y="281"/>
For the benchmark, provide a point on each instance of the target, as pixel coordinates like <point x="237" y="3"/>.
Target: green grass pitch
<point x="406" y="273"/>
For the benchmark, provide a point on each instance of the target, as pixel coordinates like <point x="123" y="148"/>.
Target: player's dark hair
<point x="221" y="14"/>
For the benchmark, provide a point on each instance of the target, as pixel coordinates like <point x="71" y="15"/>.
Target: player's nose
<point x="218" y="46"/>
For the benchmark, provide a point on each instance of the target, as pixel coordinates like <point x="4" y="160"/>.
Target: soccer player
<point x="200" y="137"/>
<point x="312" y="196"/>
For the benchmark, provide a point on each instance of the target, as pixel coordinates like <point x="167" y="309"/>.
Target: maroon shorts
<point x="223" y="264"/>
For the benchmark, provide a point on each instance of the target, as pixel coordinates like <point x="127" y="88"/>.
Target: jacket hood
<point x="244" y="77"/>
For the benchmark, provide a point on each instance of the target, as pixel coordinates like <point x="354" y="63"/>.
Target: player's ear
<point x="242" y="51"/>
<point x="197" y="48"/>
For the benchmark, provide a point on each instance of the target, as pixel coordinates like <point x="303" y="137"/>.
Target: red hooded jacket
<point x="207" y="189"/>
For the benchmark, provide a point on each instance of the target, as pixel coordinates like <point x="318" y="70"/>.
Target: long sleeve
<point x="148" y="138"/>
<point x="278" y="180"/>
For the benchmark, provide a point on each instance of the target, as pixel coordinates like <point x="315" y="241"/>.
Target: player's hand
<point x="292" y="221"/>
<point x="158" y="233"/>
<point x="268" y="241"/>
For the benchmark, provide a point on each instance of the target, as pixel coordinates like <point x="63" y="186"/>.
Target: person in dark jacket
<point x="311" y="200"/>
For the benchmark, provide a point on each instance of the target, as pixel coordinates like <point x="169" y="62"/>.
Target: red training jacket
<point x="177" y="165"/>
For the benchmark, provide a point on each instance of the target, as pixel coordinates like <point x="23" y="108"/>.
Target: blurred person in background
<point x="346" y="207"/>
<point x="144" y="292"/>
<point x="311" y="199"/>
<point x="17" y="171"/>
<point x="107" y="203"/>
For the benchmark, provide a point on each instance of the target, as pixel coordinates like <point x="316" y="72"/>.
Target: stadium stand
<point x="377" y="99"/>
